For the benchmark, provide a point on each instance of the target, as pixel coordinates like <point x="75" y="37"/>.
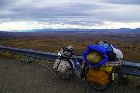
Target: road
<point x="21" y="77"/>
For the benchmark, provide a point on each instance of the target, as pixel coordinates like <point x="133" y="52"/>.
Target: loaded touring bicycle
<point x="100" y="65"/>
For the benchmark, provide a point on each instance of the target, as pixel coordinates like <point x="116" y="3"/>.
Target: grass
<point x="130" y="50"/>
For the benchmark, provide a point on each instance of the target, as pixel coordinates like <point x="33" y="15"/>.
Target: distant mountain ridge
<point x="121" y="30"/>
<point x="62" y="32"/>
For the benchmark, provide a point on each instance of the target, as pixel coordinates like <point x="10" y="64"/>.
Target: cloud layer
<point x="73" y="12"/>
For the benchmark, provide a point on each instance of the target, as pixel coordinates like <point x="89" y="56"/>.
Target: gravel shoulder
<point x="21" y="77"/>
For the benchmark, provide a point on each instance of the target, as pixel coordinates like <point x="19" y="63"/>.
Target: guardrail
<point x="31" y="53"/>
<point x="130" y="68"/>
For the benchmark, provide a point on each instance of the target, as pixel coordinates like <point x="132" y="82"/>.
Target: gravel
<point x="22" y="77"/>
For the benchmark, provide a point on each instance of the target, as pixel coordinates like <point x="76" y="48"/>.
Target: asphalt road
<point x="21" y="77"/>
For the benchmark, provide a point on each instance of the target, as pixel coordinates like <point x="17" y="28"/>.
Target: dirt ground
<point x="21" y="77"/>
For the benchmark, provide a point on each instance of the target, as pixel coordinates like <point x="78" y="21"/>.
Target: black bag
<point x="111" y="55"/>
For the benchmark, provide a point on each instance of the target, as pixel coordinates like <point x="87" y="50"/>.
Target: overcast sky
<point x="27" y="14"/>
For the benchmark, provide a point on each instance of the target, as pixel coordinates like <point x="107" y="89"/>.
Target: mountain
<point x="97" y="31"/>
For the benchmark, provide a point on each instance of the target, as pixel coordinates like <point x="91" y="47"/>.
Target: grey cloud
<point x="5" y="4"/>
<point x="122" y="1"/>
<point x="73" y="10"/>
<point x="74" y="13"/>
